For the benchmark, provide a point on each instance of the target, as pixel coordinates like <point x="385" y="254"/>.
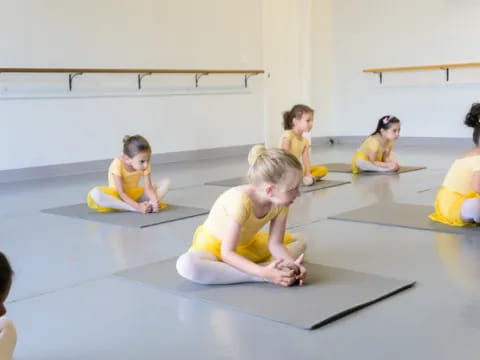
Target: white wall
<point x="314" y="51"/>
<point x="322" y="66"/>
<point x="286" y="32"/>
<point x="112" y="33"/>
<point x="388" y="33"/>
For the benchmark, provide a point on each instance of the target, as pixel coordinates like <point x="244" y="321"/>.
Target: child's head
<point x="388" y="127"/>
<point x="299" y="117"/>
<point x="137" y="152"/>
<point x="6" y="274"/>
<point x="472" y="119"/>
<point x="276" y="172"/>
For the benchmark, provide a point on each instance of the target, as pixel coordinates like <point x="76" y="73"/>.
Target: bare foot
<point x="308" y="180"/>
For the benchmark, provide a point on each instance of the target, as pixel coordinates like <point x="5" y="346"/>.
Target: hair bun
<point x="255" y="152"/>
<point x="472" y="119"/>
<point x="126" y="138"/>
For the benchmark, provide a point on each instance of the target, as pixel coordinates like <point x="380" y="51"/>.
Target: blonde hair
<point x="270" y="165"/>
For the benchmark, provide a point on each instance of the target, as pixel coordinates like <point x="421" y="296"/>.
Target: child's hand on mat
<point x="155" y="206"/>
<point x="273" y="273"/>
<point x="394" y="166"/>
<point x="295" y="269"/>
<point x="302" y="275"/>
<point x="144" y="207"/>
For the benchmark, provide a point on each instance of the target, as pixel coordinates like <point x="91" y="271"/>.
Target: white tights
<point x="203" y="267"/>
<point x="112" y="202"/>
<point x="470" y="211"/>
<point x="365" y="165"/>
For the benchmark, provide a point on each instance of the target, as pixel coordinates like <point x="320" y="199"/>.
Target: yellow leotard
<point x="235" y="203"/>
<point x="370" y="145"/>
<point x="456" y="188"/>
<point x="297" y="147"/>
<point x="130" y="181"/>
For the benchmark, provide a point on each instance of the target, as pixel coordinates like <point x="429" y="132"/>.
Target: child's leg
<point x="162" y="188"/>
<point x="470" y="211"/>
<point x="203" y="267"/>
<point x="297" y="246"/>
<point x="365" y="165"/>
<point x="108" y="201"/>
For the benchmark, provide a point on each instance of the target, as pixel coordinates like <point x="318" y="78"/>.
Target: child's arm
<point x="306" y="161"/>
<point x="388" y="155"/>
<point x="476" y="181"/>
<point x="277" y="247"/>
<point x="143" y="208"/>
<point x="285" y="144"/>
<point x="231" y="257"/>
<point x="372" y="157"/>
<point x="384" y="163"/>
<point x="389" y="159"/>
<point x="275" y="241"/>
<point x="151" y="192"/>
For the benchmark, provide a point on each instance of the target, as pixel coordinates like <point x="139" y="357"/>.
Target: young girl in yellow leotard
<point x="376" y="152"/>
<point x="123" y="192"/>
<point x="458" y="201"/>
<point x="297" y="121"/>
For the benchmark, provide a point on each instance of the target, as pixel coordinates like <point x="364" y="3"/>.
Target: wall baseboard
<point x="402" y="141"/>
<point x="49" y="171"/>
<point x="85" y="167"/>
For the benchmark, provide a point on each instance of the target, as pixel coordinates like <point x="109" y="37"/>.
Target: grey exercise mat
<point x="320" y="184"/>
<point x="347" y="168"/>
<point x="402" y="215"/>
<point x="328" y="295"/>
<point x="125" y="218"/>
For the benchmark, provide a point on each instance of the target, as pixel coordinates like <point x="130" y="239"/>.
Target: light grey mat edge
<point x="397" y="215"/>
<point x="128" y="219"/>
<point x="319" y="185"/>
<point x="197" y="292"/>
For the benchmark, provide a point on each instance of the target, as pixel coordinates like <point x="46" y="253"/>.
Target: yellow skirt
<point x="255" y="250"/>
<point x="318" y="171"/>
<point x="448" y="207"/>
<point x="135" y="194"/>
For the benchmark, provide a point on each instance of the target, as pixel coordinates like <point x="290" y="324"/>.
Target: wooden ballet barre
<point x="445" y="67"/>
<point x="74" y="72"/>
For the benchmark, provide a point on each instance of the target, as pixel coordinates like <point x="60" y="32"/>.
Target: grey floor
<point x="67" y="304"/>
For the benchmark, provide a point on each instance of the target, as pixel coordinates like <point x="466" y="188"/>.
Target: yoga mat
<point x="125" y="218"/>
<point x="402" y="215"/>
<point x="320" y="184"/>
<point x="347" y="168"/>
<point x="328" y="294"/>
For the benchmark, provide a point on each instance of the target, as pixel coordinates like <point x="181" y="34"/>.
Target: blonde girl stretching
<point x="228" y="248"/>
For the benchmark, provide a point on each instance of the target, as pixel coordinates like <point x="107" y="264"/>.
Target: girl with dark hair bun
<point x="123" y="192"/>
<point x="458" y="201"/>
<point x="375" y="153"/>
